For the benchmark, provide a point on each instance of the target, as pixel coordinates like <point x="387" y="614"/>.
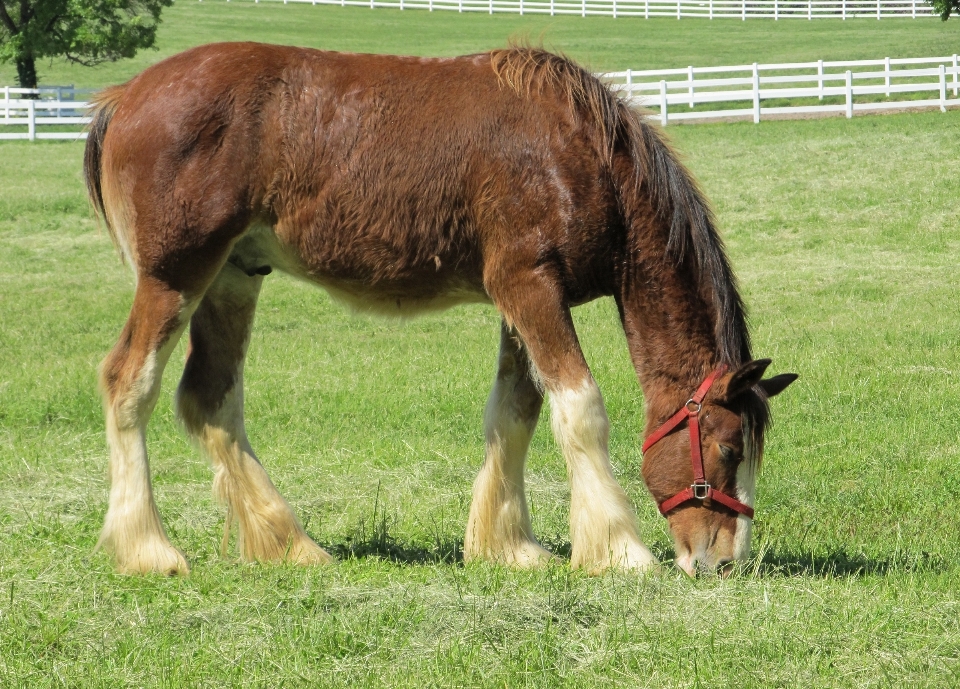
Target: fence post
<point x="583" y="8"/>
<point x="678" y="10"/>
<point x="844" y="10"/>
<point x="776" y="10"/>
<point x="878" y="10"/>
<point x="711" y="10"/>
<point x="646" y="8"/>
<point x="551" y="8"/>
<point x="886" y="74"/>
<point x="460" y="5"/>
<point x="690" y="79"/>
<point x="943" y="88"/>
<point x="630" y="84"/>
<point x="756" y="94"/>
<point x="914" y="9"/>
<point x="849" y="94"/>
<point x="956" y="85"/>
<point x="663" y="102"/>
<point x="744" y="15"/>
<point x="809" y="10"/>
<point x="491" y="6"/>
<point x="614" y="9"/>
<point x="31" y="120"/>
<point x="6" y="104"/>
<point x="820" y="77"/>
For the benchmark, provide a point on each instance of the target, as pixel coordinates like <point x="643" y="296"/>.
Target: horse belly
<point x="403" y="294"/>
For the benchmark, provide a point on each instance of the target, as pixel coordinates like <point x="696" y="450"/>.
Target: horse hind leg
<point x="209" y="402"/>
<point x="130" y="383"/>
<point x="499" y="526"/>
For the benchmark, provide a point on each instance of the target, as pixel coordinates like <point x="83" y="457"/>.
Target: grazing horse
<point x="399" y="185"/>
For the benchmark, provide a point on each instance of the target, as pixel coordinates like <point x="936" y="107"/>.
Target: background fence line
<point x="798" y="88"/>
<point x="709" y="9"/>
<point x="795" y="88"/>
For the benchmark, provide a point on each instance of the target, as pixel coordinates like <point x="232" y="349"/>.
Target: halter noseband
<point x="699" y="489"/>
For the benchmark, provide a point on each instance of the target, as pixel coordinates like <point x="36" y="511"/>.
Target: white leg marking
<point x="132" y="530"/>
<point x="499" y="526"/>
<point x="603" y="528"/>
<point x="268" y="528"/>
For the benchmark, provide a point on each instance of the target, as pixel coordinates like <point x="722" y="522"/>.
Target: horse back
<point x="375" y="174"/>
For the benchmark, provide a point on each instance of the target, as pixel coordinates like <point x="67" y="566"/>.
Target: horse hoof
<point x="153" y="559"/>
<point x="306" y="553"/>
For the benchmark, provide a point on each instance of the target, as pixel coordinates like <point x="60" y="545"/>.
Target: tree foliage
<point x="83" y="31"/>
<point x="945" y="7"/>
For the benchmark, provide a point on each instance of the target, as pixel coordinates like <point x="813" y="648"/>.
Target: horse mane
<point x="675" y="196"/>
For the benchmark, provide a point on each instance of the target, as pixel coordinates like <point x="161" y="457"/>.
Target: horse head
<point x="704" y="480"/>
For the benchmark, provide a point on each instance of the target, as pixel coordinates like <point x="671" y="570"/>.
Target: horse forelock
<point x="755" y="416"/>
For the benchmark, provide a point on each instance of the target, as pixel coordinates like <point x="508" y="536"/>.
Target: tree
<point x="87" y="32"/>
<point x="945" y="7"/>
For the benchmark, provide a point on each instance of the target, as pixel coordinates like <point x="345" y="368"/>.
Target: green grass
<point x="599" y="42"/>
<point x="844" y="235"/>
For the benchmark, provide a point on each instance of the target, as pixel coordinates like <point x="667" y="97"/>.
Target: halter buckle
<point x="700" y="490"/>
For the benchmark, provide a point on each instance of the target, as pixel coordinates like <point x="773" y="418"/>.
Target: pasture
<point x="844" y="235"/>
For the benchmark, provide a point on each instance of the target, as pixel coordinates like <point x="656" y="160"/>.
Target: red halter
<point x="699" y="489"/>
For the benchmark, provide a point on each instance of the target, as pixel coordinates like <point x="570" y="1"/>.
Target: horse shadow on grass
<point x="842" y="563"/>
<point x="372" y="538"/>
<point x="376" y="541"/>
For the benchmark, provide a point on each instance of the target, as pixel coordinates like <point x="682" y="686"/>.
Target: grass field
<point x="845" y="236"/>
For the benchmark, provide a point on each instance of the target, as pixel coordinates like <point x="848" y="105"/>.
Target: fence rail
<point x="707" y="9"/>
<point x="887" y="84"/>
<point x="57" y="106"/>
<point x="740" y="91"/>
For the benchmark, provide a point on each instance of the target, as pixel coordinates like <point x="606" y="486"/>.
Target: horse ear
<point x="777" y="384"/>
<point x="746" y="377"/>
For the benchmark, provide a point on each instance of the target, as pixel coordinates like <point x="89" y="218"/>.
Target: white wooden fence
<point x="45" y="107"/>
<point x="800" y="88"/>
<point x="737" y="9"/>
<point x="675" y="94"/>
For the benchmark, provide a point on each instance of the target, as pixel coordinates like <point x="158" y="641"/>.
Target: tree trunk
<point x="27" y="72"/>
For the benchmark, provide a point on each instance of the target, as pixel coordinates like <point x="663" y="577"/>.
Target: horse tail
<point x="103" y="107"/>
<point x="658" y="174"/>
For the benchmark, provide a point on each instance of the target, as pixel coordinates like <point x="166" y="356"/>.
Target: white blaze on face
<point x="746" y="493"/>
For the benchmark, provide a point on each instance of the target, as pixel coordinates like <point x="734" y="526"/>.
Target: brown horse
<point x="404" y="184"/>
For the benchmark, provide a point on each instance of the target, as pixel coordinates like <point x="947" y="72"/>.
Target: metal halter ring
<point x="700" y="490"/>
<point x="695" y="409"/>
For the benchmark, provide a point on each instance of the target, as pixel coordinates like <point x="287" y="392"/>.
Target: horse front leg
<point x="210" y="404"/>
<point x="603" y="530"/>
<point x="499" y="526"/>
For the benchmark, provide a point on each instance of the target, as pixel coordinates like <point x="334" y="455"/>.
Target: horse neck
<point x="670" y="325"/>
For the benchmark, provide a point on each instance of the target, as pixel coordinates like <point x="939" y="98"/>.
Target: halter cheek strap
<point x="699" y="489"/>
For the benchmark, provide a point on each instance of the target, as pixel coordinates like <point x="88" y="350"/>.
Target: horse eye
<point x="728" y="453"/>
